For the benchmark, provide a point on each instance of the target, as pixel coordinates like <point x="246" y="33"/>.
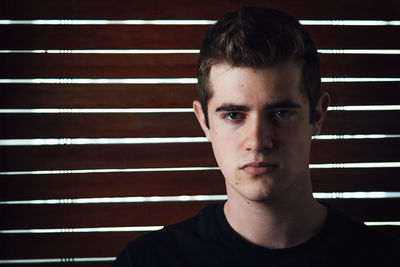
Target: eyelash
<point x="286" y="113"/>
<point x="226" y="116"/>
<point x="277" y="114"/>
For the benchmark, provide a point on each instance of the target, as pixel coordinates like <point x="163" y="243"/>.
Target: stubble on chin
<point x="259" y="188"/>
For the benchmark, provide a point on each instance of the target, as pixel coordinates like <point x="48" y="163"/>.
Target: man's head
<point x="260" y="104"/>
<point x="257" y="38"/>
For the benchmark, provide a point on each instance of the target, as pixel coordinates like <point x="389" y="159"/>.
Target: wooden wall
<point x="75" y="173"/>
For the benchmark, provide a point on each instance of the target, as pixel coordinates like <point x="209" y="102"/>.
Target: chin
<point x="263" y="198"/>
<point x="259" y="194"/>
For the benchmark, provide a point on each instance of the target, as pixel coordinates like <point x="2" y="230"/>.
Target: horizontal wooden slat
<point x="110" y="156"/>
<point x="168" y="65"/>
<point x="361" y="122"/>
<point x="371" y="93"/>
<point x="112" y="185"/>
<point x="168" y="124"/>
<point x="149" y="214"/>
<point x="26" y="246"/>
<point x="174" y="37"/>
<point x="175" y="155"/>
<point x="96" y="215"/>
<point x="165" y="95"/>
<point x="384" y="150"/>
<point x="101" y="125"/>
<point x="101" y="37"/>
<point x="359" y="65"/>
<point x="344" y="180"/>
<point x="98" y="66"/>
<point x="355" y="37"/>
<point x="29" y="187"/>
<point x="97" y="95"/>
<point x="181" y="9"/>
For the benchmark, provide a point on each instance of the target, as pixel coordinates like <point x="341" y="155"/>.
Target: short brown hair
<point x="258" y="37"/>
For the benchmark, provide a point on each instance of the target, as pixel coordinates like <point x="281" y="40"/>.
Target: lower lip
<point x="252" y="170"/>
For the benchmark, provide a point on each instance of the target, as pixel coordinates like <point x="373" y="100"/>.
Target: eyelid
<point x="241" y="115"/>
<point x="288" y="112"/>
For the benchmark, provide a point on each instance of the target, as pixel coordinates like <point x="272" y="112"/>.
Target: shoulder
<point x="354" y="229"/>
<point x="169" y="243"/>
<point x="360" y="243"/>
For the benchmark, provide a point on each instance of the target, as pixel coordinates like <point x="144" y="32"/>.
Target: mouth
<point x="258" y="168"/>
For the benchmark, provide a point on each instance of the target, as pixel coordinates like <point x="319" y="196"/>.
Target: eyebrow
<point x="283" y="105"/>
<point x="286" y="104"/>
<point x="232" y="107"/>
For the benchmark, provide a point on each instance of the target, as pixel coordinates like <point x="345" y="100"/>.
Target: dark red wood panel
<point x="168" y="65"/>
<point x="361" y="122"/>
<point x="154" y="214"/>
<point x="347" y="65"/>
<point x="109" y="156"/>
<point x="166" y="95"/>
<point x="353" y="180"/>
<point x="356" y="37"/>
<point x="96" y="215"/>
<point x="112" y="185"/>
<point x="176" y="155"/>
<point x="98" y="65"/>
<point x="381" y="150"/>
<point x="100" y="125"/>
<point x="96" y="95"/>
<point x="205" y="9"/>
<point x="174" y="37"/>
<point x="359" y="93"/>
<point x="29" y="187"/>
<point x="101" y="36"/>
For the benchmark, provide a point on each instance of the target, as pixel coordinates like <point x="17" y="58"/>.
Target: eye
<point x="233" y="116"/>
<point x="283" y="114"/>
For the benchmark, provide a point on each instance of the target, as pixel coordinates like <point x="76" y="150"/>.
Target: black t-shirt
<point x="208" y="240"/>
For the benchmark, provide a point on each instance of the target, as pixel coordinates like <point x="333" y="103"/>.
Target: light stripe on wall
<point x="160" y="140"/>
<point x="100" y="81"/>
<point x="133" y="170"/>
<point x="186" y="198"/>
<point x="185" y="51"/>
<point x="173" y="110"/>
<point x="57" y="260"/>
<point x="169" y="80"/>
<point x="131" y="229"/>
<point x="190" y="22"/>
<point x="83" y="230"/>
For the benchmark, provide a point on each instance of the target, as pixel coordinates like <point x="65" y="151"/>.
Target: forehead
<point x="277" y="83"/>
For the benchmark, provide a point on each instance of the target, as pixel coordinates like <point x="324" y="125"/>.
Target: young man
<point x="260" y="104"/>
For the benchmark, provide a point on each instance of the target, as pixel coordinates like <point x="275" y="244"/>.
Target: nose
<point x="259" y="135"/>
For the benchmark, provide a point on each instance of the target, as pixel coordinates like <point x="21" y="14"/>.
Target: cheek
<point x="294" y="141"/>
<point x="224" y="144"/>
<point x="220" y="145"/>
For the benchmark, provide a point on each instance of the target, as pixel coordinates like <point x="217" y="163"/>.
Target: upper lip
<point x="258" y="164"/>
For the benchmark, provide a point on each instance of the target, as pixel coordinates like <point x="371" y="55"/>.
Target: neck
<point x="275" y="224"/>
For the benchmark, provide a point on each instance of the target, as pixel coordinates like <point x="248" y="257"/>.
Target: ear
<point x="320" y="112"/>
<point x="198" y="111"/>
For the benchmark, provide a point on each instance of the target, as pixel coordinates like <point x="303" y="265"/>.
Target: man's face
<point x="260" y="130"/>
